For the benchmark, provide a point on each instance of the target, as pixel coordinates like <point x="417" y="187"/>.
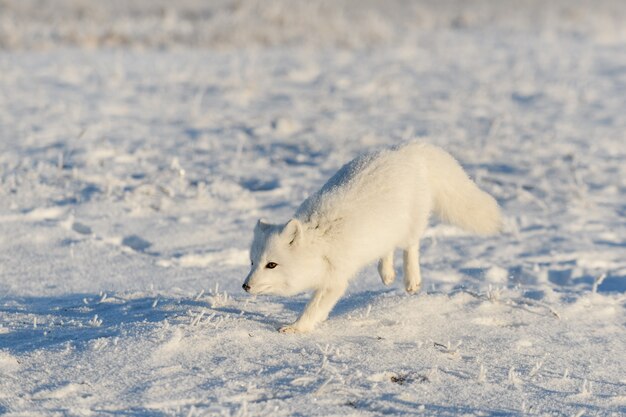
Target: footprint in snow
<point x="81" y="228"/>
<point x="136" y="243"/>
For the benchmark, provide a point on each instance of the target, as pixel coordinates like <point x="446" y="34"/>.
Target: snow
<point x="141" y="141"/>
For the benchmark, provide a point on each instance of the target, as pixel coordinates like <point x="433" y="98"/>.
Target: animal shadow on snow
<point x="355" y="301"/>
<point x="292" y="307"/>
<point x="347" y="304"/>
<point x="31" y="323"/>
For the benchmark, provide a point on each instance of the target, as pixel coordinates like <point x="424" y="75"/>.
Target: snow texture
<point x="141" y="141"/>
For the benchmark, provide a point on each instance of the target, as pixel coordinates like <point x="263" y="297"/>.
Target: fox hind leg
<point x="385" y="269"/>
<point x="412" y="274"/>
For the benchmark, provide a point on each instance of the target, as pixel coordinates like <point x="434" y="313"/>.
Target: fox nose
<point x="246" y="287"/>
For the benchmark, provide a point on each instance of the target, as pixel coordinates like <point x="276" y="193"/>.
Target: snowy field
<point x="140" y="141"/>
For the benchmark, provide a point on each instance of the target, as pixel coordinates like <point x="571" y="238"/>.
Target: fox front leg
<point x="317" y="309"/>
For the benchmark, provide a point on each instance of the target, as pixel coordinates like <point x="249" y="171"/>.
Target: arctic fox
<point x="374" y="204"/>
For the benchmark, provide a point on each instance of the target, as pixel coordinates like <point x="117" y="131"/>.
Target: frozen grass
<point x="130" y="182"/>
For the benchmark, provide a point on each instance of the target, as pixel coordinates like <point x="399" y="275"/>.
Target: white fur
<point x="374" y="204"/>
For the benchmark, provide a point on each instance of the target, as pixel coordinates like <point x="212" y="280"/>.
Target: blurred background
<point x="227" y="24"/>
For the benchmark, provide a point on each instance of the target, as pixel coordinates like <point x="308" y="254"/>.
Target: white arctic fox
<point x="374" y="204"/>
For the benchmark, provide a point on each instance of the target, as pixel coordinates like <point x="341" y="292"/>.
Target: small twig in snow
<point x="448" y="348"/>
<point x="535" y="369"/>
<point x="440" y="345"/>
<point x="195" y="320"/>
<point x="512" y="377"/>
<point x="581" y="187"/>
<point x="533" y="303"/>
<point x="95" y="322"/>
<point x="597" y="282"/>
<point x="494" y="296"/>
<point x="586" y="388"/>
<point x="321" y="388"/>
<point x="482" y="374"/>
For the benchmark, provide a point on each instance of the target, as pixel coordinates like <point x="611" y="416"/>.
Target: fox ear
<point x="293" y="231"/>
<point x="262" y="226"/>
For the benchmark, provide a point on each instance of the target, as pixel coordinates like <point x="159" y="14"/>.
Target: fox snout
<point x="246" y="283"/>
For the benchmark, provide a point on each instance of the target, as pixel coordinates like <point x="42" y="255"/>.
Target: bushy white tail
<point x="457" y="199"/>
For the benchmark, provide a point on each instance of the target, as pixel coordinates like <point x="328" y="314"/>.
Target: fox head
<point x="281" y="261"/>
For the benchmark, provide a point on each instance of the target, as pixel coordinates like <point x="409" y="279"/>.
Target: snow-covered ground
<point x="140" y="141"/>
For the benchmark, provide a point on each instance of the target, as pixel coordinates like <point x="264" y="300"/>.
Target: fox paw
<point x="288" y="329"/>
<point x="388" y="277"/>
<point x="293" y="328"/>
<point x="413" y="288"/>
<point x="387" y="273"/>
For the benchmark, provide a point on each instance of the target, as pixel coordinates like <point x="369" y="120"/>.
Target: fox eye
<point x="271" y="265"/>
